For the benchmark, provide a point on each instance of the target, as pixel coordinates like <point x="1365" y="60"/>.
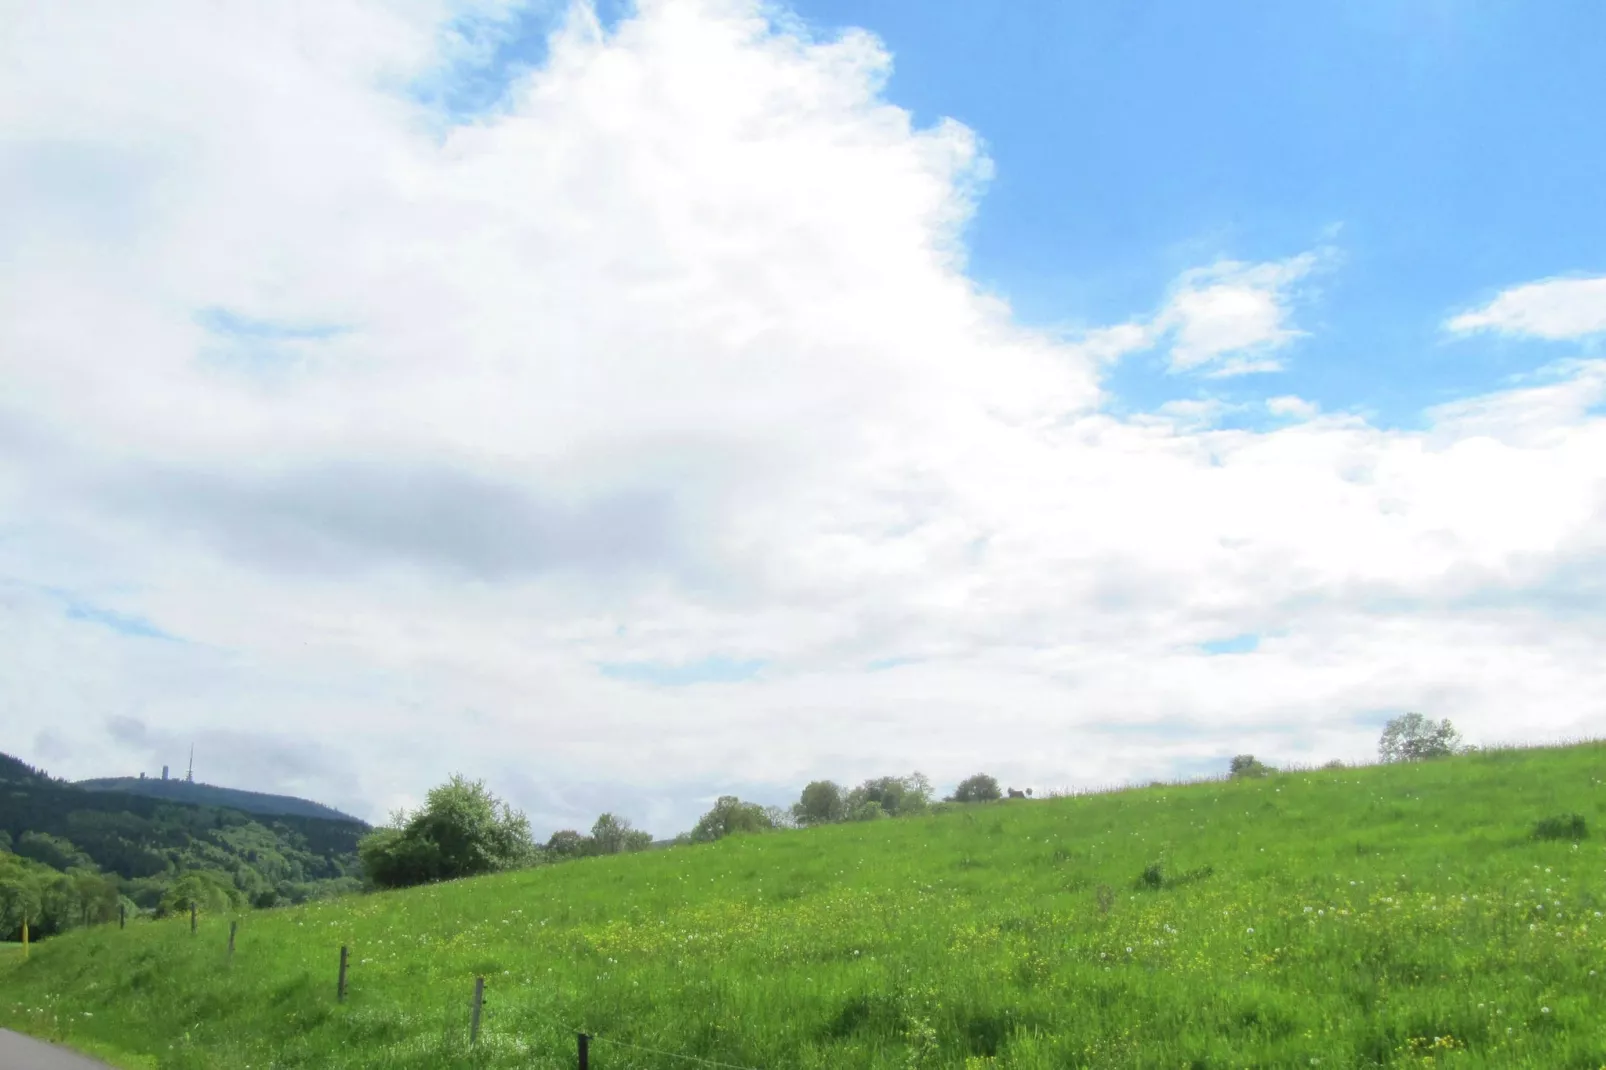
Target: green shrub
<point x="1247" y="765"/>
<point x="462" y="831"/>
<point x="1561" y="827"/>
<point x="978" y="788"/>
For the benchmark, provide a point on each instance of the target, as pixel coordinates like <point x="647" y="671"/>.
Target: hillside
<point x="250" y="802"/>
<point x="94" y="848"/>
<point x="1387" y="916"/>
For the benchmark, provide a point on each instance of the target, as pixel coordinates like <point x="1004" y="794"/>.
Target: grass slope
<point x="1383" y="916"/>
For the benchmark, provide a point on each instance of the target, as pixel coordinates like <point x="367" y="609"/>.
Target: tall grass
<point x="1378" y="916"/>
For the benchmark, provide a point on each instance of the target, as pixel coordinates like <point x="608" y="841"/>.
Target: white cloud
<point x="1289" y="405"/>
<point x="1233" y="309"/>
<point x="1557" y="309"/>
<point x="1228" y="319"/>
<point x="674" y="357"/>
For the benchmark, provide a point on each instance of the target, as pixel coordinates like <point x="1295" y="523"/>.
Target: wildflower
<point x="1544" y="1010"/>
<point x="1251" y="930"/>
<point x="1129" y="951"/>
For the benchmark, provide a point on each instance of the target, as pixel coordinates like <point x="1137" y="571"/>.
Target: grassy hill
<point x="1388" y="916"/>
<point x="250" y="802"/>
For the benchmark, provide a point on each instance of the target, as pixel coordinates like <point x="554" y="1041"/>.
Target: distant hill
<point x="17" y="771"/>
<point x="251" y="802"/>
<point x="76" y="851"/>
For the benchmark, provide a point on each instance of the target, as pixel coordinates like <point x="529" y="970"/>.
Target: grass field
<point x="1387" y="916"/>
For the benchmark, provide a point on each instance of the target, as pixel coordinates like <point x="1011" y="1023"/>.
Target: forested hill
<point x="251" y="802"/>
<point x="68" y="855"/>
<point x="16" y="771"/>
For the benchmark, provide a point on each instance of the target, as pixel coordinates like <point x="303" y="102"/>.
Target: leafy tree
<point x="614" y="835"/>
<point x="978" y="788"/>
<point x="462" y="831"/>
<point x="730" y="815"/>
<point x="821" y="803"/>
<point x="1247" y="765"/>
<point x="20" y="900"/>
<point x="567" y="843"/>
<point x="895" y="795"/>
<point x="97" y="896"/>
<point x="1412" y="737"/>
<point x="57" y="852"/>
<point x="207" y="892"/>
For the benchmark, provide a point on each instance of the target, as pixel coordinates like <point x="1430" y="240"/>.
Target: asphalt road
<point x="18" y="1052"/>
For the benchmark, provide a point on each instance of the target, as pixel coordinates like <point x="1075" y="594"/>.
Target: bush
<point x="869" y="810"/>
<point x="1412" y="737"/>
<point x="462" y="831"/>
<point x="1562" y="827"/>
<point x="1153" y="878"/>
<point x="978" y="788"/>
<point x="1247" y="765"/>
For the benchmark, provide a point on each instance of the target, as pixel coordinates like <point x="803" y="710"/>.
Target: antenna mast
<point x="189" y="778"/>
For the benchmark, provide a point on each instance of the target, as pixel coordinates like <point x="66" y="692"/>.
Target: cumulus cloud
<point x="1557" y="309"/>
<point x="411" y="428"/>
<point x="1226" y="319"/>
<point x="1290" y="405"/>
<point x="1236" y="311"/>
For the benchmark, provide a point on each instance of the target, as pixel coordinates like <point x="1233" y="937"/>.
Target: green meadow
<point x="1401" y="915"/>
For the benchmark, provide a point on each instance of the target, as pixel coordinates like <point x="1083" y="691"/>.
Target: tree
<point x="822" y="802"/>
<point x="20" y="901"/>
<point x="1412" y="737"/>
<point x="895" y="795"/>
<point x="978" y="788"/>
<point x="567" y="843"/>
<point x="1247" y="765"/>
<point x="462" y="831"/>
<point x="614" y="835"/>
<point x="730" y="815"/>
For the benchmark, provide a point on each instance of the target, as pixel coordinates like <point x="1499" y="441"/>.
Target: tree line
<point x="464" y="830"/>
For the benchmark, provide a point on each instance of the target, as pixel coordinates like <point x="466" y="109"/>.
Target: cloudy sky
<point x="628" y="405"/>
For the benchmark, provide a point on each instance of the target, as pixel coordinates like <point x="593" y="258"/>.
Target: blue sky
<point x="1442" y="151"/>
<point x="1458" y="147"/>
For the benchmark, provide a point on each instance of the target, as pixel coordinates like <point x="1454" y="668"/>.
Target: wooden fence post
<point x="233" y="925"/>
<point x="122" y="915"/>
<point x="192" y="919"/>
<point x="474" y="1014"/>
<point x="340" y="993"/>
<point x="585" y="1052"/>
